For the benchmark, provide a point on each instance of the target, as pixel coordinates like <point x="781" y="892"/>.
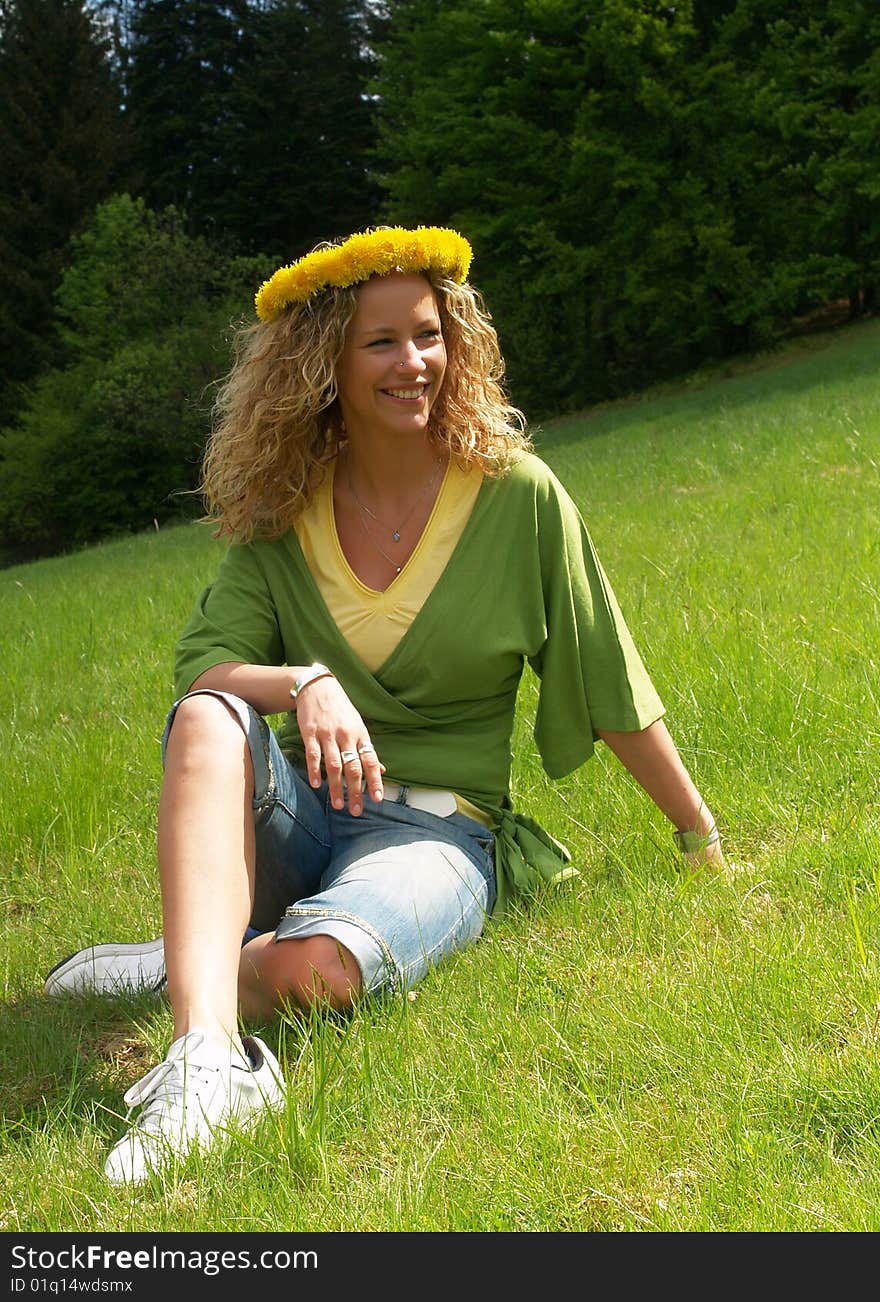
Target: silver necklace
<point x="395" y="533"/>
<point x="380" y="550"/>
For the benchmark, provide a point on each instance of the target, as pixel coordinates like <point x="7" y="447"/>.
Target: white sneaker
<point x="201" y="1087"/>
<point x="111" y="969"/>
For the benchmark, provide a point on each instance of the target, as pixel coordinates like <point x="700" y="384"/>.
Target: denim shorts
<point x="401" y="888"/>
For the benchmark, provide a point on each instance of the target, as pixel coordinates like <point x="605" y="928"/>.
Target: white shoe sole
<point x="111" y="969"/>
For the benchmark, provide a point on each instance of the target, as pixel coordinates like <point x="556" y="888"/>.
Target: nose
<point x="411" y="359"/>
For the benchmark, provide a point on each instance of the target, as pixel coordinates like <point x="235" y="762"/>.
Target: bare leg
<point x="210" y="1076"/>
<point x="206" y="858"/>
<point x="314" y="970"/>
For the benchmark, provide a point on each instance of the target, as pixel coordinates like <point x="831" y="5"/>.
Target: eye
<point x="378" y="343"/>
<point x="430" y="334"/>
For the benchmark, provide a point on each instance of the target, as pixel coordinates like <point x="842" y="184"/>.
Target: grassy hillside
<point x="640" y="1050"/>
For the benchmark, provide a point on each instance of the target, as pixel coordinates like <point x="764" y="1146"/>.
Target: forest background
<point x="648" y="188"/>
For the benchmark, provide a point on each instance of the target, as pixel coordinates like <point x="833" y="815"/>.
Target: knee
<point x="206" y="730"/>
<point x="313" y="971"/>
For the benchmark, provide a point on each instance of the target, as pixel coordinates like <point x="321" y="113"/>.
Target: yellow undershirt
<point x="373" y="622"/>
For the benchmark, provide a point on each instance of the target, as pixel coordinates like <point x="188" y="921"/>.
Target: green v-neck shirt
<point x="523" y="584"/>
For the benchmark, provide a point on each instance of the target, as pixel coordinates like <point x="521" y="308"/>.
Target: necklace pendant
<point x="396" y="536"/>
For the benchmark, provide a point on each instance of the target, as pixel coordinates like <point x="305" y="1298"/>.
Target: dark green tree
<point x="61" y="146"/>
<point x="816" y="103"/>
<point x="547" y="133"/>
<point x="112" y="439"/>
<point x="183" y="61"/>
<point x="252" y="120"/>
<point x="646" y="185"/>
<point x="301" y="128"/>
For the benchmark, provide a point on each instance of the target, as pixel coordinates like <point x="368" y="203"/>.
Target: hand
<point x="330" y="725"/>
<point x="711" y="856"/>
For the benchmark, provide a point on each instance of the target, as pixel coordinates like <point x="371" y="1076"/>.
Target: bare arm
<point x="653" y="760"/>
<point x="265" y="687"/>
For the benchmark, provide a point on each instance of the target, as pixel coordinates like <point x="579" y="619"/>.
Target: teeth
<point x="405" y="393"/>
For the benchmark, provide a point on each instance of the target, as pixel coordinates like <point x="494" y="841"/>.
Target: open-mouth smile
<point x="406" y="395"/>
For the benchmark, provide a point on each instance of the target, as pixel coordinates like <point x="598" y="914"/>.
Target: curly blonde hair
<point x="277" y="423"/>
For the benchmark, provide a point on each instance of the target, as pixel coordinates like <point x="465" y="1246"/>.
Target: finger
<point x="334" y="770"/>
<point x="313" y="761"/>
<point x="372" y="769"/>
<point x="351" y="768"/>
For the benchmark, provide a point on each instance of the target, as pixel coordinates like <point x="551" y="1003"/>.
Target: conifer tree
<point x="60" y="147"/>
<point x="184" y="57"/>
<point x="253" y="119"/>
<point x="300" y="133"/>
<point x="647" y="185"/>
<point x="817" y="101"/>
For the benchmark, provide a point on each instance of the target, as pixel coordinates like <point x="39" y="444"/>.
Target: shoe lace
<point x="161" y="1091"/>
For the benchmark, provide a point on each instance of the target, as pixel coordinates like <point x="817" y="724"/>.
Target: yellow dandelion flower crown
<point x="369" y="253"/>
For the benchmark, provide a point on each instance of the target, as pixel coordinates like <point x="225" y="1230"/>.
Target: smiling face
<point x="393" y="360"/>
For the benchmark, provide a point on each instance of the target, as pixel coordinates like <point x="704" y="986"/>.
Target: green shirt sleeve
<point x="233" y="619"/>
<point x="592" y="676"/>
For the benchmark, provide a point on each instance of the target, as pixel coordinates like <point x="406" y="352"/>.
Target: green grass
<point x="639" y="1050"/>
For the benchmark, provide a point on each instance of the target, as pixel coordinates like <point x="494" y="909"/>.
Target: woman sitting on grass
<point x="397" y="553"/>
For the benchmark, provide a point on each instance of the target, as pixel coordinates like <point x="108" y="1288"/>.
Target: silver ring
<point x="347" y="756"/>
<point x="366" y="750"/>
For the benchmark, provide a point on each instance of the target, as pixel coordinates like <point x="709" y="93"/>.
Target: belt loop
<point x="402" y="795"/>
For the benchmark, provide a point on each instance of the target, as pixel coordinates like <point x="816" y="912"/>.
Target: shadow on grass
<point x="67" y="1061"/>
<point x="78" y="1053"/>
<point x="76" y="1056"/>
